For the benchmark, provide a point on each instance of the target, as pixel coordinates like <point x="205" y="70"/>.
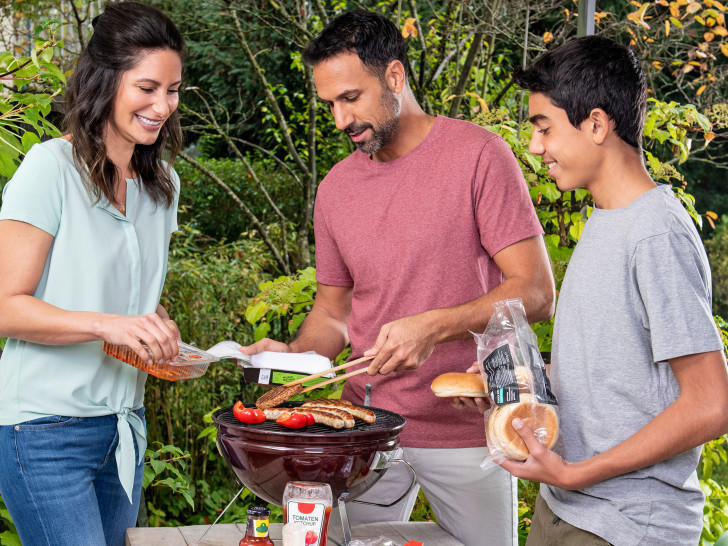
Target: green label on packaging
<point x="287" y="377"/>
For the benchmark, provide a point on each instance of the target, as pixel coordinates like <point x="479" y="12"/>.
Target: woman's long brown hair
<point x="122" y="35"/>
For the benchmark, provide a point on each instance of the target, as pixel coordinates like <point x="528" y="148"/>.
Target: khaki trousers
<point x="549" y="530"/>
<point x="476" y="506"/>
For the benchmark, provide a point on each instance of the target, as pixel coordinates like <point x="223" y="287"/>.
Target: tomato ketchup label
<point x="309" y="514"/>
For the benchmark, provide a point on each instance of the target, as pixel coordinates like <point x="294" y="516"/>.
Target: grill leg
<point x="344" y="518"/>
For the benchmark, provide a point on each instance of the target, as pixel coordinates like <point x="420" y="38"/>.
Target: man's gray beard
<point x="387" y="132"/>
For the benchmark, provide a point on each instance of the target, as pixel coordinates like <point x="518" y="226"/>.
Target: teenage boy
<point x="637" y="361"/>
<point x="418" y="233"/>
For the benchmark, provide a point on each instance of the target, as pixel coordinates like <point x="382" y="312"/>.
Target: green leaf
<point x="261" y="331"/>
<point x="157" y="465"/>
<point x="207" y="432"/>
<point x="148" y="477"/>
<point x="550" y="191"/>
<point x="28" y="140"/>
<point x="296" y="321"/>
<point x="552" y="241"/>
<point x="47" y="54"/>
<point x="8" y="538"/>
<point x="576" y="229"/>
<point x="256" y="312"/>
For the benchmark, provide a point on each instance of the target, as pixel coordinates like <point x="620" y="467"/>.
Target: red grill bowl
<point x="266" y="456"/>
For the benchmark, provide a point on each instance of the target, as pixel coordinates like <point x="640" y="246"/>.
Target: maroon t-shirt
<point x="415" y="234"/>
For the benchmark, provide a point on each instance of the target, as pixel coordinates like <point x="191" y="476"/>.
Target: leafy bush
<point x="208" y="208"/>
<point x="717" y="248"/>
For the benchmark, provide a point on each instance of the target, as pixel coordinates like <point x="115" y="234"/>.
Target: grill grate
<point x="386" y="420"/>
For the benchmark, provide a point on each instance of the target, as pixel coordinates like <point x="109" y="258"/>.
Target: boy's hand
<point x="482" y="404"/>
<point x="543" y="465"/>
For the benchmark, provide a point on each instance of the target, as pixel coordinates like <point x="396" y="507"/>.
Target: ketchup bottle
<point x="309" y="503"/>
<point x="256" y="534"/>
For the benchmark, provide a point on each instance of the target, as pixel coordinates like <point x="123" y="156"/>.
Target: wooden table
<point x="430" y="534"/>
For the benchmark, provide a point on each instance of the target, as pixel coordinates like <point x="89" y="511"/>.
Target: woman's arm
<point x="24" y="249"/>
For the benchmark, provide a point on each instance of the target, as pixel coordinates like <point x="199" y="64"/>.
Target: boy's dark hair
<point x="592" y="72"/>
<point x="375" y="39"/>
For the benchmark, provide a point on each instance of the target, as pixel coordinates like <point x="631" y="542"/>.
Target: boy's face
<point x="568" y="151"/>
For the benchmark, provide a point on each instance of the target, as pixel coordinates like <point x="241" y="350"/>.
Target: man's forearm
<point x="457" y="322"/>
<point x="321" y="332"/>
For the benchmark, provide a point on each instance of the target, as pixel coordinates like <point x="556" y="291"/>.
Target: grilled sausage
<point x="320" y="416"/>
<point x="364" y="414"/>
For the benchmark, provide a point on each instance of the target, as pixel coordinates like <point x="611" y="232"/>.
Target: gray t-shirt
<point x="637" y="292"/>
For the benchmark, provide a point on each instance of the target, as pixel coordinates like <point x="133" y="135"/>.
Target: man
<point x="637" y="361"/>
<point x="418" y="233"/>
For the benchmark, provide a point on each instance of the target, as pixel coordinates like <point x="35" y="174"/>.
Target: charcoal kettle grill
<point x="265" y="456"/>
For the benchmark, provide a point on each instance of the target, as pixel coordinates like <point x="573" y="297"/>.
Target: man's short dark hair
<point x="592" y="72"/>
<point x="374" y="38"/>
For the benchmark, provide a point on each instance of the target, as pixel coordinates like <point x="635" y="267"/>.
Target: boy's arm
<point x="699" y="414"/>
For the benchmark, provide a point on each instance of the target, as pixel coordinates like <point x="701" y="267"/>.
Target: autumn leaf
<point x="720" y="31"/>
<point x="547" y="37"/>
<point x="667" y="28"/>
<point x="700" y="90"/>
<point x="711" y="214"/>
<point x="708" y="36"/>
<point x="724" y="49"/>
<point x="674" y="10"/>
<point x="409" y="28"/>
<point x="599" y="16"/>
<point x="676" y="22"/>
<point x="481" y="102"/>
<point x="657" y="65"/>
<point x="693" y="7"/>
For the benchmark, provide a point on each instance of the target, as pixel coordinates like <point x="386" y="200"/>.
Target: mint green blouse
<point x="101" y="261"/>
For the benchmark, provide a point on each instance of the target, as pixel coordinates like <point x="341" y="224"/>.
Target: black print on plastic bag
<point x="541" y="383"/>
<point x="502" y="385"/>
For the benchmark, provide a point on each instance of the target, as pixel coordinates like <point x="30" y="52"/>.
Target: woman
<point x="84" y="234"/>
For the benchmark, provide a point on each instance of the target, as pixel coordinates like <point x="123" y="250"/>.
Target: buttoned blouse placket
<point x="129" y="424"/>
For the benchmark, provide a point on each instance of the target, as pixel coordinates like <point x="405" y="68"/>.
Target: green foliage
<point x="713" y="473"/>
<point x="717" y="248"/>
<point x="527" y="492"/>
<point x="209" y="209"/>
<point x="36" y="81"/>
<point x="9" y="536"/>
<point x="674" y="124"/>
<point x="208" y="286"/>
<point x="282" y="305"/>
<point x="166" y="467"/>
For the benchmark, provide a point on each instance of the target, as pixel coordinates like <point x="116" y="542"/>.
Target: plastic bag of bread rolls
<point x="516" y="381"/>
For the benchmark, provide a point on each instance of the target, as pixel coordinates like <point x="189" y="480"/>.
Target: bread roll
<point x="458" y="384"/>
<point x="540" y="417"/>
<point x="524" y="379"/>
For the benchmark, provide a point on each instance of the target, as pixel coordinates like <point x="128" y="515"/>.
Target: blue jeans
<point x="59" y="480"/>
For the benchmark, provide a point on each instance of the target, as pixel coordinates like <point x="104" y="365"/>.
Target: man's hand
<point x="402" y="345"/>
<point x="482" y="403"/>
<point x="543" y="465"/>
<point x="265" y="344"/>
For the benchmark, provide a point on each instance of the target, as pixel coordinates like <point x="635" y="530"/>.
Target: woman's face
<point x="147" y="96"/>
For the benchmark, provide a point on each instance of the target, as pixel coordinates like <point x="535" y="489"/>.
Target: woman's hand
<point x="158" y="334"/>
